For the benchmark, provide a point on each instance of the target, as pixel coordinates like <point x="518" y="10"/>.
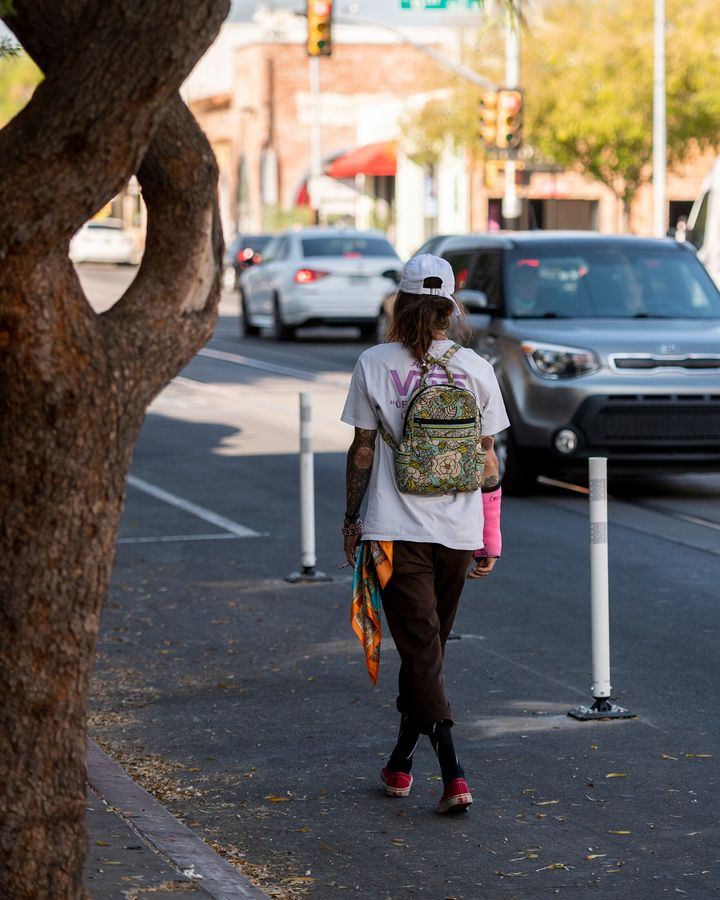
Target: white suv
<point x="317" y="276"/>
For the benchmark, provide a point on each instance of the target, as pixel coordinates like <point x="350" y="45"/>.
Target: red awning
<point x="372" y="159"/>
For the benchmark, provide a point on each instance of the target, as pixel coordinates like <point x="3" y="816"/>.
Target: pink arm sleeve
<point x="492" y="538"/>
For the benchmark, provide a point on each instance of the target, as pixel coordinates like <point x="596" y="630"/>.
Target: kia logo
<point x="668" y="348"/>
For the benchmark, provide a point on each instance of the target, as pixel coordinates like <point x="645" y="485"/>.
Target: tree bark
<point x="74" y="386"/>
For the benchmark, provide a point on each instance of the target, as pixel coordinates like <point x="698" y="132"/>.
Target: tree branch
<point x="168" y="311"/>
<point x="90" y="121"/>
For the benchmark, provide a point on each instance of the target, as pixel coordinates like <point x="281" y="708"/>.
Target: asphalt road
<point x="242" y="702"/>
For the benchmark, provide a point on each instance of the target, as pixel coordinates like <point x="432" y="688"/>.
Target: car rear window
<point x="346" y="246"/>
<point x="610" y="282"/>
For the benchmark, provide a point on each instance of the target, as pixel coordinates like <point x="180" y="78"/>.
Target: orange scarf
<point x="373" y="569"/>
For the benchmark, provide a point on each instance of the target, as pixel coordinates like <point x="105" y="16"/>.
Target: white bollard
<point x="307" y="486"/>
<point x="599" y="580"/>
<point x="602" y="708"/>
<point x="307" y="498"/>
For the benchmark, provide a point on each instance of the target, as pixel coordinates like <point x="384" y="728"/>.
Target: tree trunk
<point x="74" y="386"/>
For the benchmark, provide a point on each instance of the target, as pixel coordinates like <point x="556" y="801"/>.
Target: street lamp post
<point x="659" y="122"/>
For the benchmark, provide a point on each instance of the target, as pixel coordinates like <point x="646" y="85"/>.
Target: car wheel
<point x="283" y="332"/>
<point x="246" y="328"/>
<point x="518" y="472"/>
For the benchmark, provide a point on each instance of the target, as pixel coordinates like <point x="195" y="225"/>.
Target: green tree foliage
<point x="588" y="71"/>
<point x="19" y="76"/>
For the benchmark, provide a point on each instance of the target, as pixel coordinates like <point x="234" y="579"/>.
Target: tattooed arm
<point x="491" y="472"/>
<point x="357" y="477"/>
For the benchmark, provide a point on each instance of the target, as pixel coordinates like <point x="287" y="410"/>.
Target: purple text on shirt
<point x="437" y="375"/>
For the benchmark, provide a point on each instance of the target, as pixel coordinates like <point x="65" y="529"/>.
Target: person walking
<point x="412" y="551"/>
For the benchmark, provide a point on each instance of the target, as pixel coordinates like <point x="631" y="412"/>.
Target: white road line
<point x="707" y="523"/>
<point x="200" y="511"/>
<point x="239" y="360"/>
<point x="168" y="538"/>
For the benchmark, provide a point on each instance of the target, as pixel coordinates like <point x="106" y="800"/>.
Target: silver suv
<point x="603" y="346"/>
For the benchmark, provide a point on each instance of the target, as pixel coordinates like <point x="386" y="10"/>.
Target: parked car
<point x="106" y="241"/>
<point x="603" y="346"/>
<point x="243" y="251"/>
<point x="317" y="276"/>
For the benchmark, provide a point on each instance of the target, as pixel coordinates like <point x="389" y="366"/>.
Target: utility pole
<point x="511" y="201"/>
<point x="659" y="122"/>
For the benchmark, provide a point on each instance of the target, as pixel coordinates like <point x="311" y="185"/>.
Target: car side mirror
<point x="474" y="301"/>
<point x="393" y="274"/>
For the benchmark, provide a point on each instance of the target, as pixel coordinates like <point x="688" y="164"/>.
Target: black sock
<point x="442" y="744"/>
<point x="401" y="758"/>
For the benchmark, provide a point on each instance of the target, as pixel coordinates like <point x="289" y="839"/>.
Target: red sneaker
<point x="456" y="797"/>
<point x="397" y="784"/>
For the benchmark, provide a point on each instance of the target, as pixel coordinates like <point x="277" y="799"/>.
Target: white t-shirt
<point x="384" y="379"/>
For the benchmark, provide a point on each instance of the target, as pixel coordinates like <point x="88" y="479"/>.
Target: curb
<point x="163" y="832"/>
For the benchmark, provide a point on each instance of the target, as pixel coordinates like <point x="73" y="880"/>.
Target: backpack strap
<point x="443" y="361"/>
<point x="386" y="436"/>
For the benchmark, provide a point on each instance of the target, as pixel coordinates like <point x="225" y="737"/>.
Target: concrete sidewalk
<point x="137" y="848"/>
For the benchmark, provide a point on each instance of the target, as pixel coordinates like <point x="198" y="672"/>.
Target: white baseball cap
<point x="428" y="266"/>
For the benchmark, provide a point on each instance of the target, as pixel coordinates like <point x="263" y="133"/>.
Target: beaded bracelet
<point x="350" y="529"/>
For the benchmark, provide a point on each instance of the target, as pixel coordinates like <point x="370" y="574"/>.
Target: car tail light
<point x="307" y="276"/>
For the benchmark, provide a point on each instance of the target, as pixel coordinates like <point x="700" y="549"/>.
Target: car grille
<point x="650" y="363"/>
<point x="651" y="421"/>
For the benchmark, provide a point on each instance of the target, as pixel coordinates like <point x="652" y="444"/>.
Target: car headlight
<point x="556" y="361"/>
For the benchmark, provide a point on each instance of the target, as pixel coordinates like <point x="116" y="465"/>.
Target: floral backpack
<point x="439" y="451"/>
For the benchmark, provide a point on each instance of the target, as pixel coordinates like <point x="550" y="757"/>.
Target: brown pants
<point x="420" y="601"/>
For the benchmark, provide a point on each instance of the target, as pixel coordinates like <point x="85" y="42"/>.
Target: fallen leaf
<point x="273" y="799"/>
<point x="595" y="855"/>
<point x="619" y="832"/>
<point x="102" y="843"/>
<point x="545" y="802"/>
<point x="665" y="756"/>
<point x="617" y="775"/>
<point x="304" y="828"/>
<point x="699" y="755"/>
<point x="561" y="866"/>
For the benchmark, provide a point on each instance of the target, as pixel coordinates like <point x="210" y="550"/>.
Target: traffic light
<point x="509" y="118"/>
<point x="319" y="19"/>
<point x="488" y="118"/>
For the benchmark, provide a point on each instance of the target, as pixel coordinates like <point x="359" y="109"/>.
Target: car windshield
<point x="349" y="246"/>
<point x="608" y="282"/>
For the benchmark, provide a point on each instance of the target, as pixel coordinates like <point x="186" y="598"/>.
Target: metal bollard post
<point x="602" y="708"/>
<point x="307" y="498"/>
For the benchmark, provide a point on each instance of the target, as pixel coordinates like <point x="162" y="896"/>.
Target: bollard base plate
<point x="602" y="708"/>
<point x="308" y="574"/>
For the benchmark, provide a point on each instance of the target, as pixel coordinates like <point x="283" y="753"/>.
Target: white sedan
<point x="318" y="276"/>
<point x="104" y="240"/>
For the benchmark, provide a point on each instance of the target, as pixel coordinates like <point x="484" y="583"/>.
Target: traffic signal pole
<point x="319" y="43"/>
<point x="511" y="201"/>
<point x="315" y="138"/>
